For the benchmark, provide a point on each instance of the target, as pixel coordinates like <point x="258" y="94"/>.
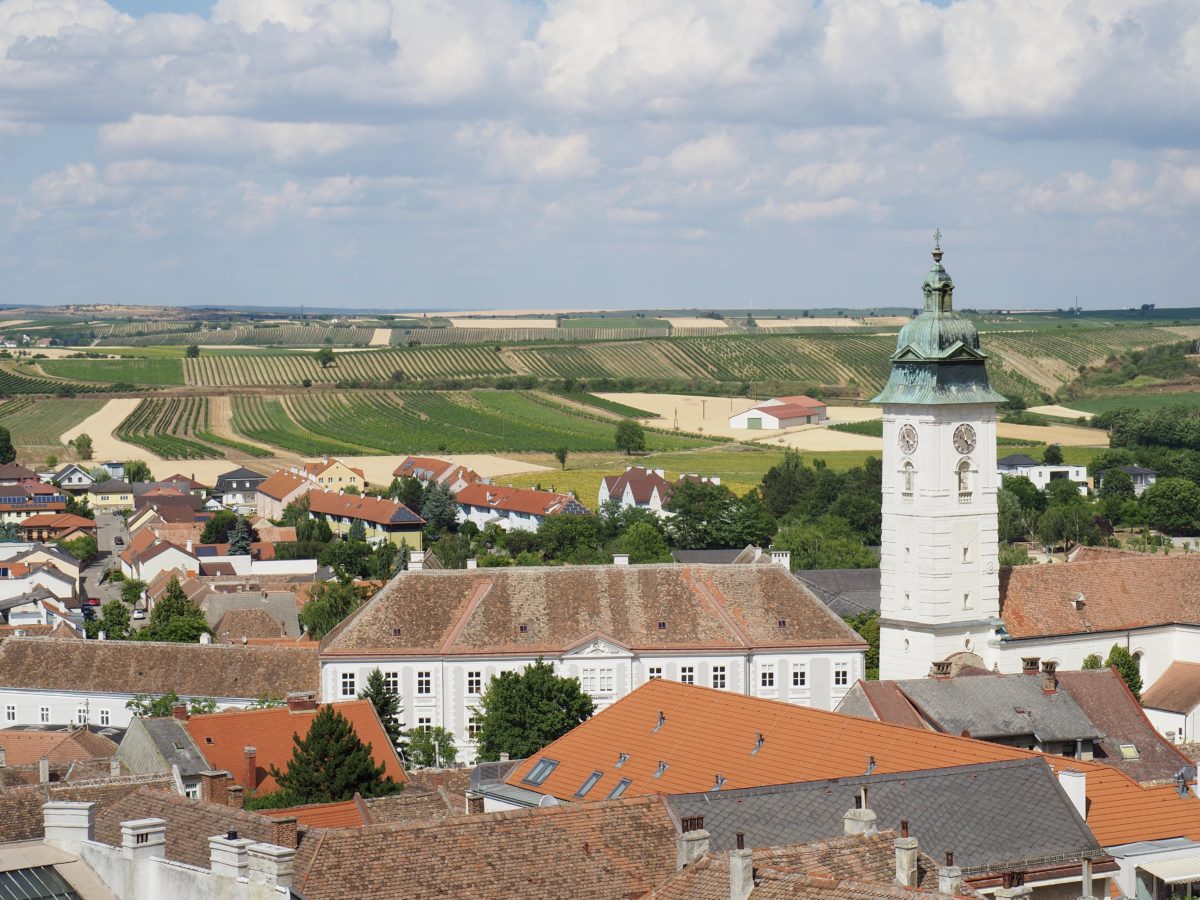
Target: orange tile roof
<point x="538" y="503"/>
<point x="787" y="410"/>
<point x="708" y="731"/>
<point x="57" y="520"/>
<point x="368" y="509"/>
<point x="802" y="400"/>
<point x="281" y="484"/>
<point x="1177" y="689"/>
<point x="316" y="468"/>
<point x="346" y="814"/>
<point x="25" y="747"/>
<point x="222" y="738"/>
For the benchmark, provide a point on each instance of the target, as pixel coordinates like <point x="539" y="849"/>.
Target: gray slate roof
<point x="846" y="592"/>
<point x="176" y="746"/>
<point x="1000" y="706"/>
<point x="1016" y="459"/>
<point x="990" y="815"/>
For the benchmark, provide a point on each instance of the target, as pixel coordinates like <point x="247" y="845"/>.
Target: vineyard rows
<point x="41" y="423"/>
<point x="12" y="382"/>
<point x="178" y="428"/>
<point x="519" y="335"/>
<point x="253" y="336"/>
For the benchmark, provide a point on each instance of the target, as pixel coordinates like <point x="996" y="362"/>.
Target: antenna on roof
<point x="1183" y="778"/>
<point x="759" y="740"/>
<point x="662" y="720"/>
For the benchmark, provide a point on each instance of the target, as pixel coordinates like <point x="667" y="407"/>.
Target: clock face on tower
<point x="908" y="439"/>
<point x="964" y="439"/>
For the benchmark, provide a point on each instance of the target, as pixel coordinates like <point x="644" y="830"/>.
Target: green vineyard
<point x="425" y="421"/>
<point x="13" y="382"/>
<point x="148" y="372"/>
<point x="41" y="423"/>
<point x="178" y="428"/>
<point x="250" y="336"/>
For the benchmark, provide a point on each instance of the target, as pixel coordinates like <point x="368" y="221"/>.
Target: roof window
<point x="588" y="784"/>
<point x="662" y="626"/>
<point x="1130" y="751"/>
<point x="662" y="768"/>
<point x="619" y="789"/>
<point x="622" y="758"/>
<point x="541" y="771"/>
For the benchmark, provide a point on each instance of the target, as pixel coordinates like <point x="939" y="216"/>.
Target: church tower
<point x="939" y="571"/>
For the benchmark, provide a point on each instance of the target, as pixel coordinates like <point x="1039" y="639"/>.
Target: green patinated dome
<point x="937" y="358"/>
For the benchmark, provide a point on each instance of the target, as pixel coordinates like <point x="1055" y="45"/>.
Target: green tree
<point x="324" y="357"/>
<point x="826" y="543"/>
<point x="1026" y="492"/>
<point x="1067" y="525"/>
<point x="867" y="625"/>
<point x="241" y="536"/>
<point x="136" y="470"/>
<point x="193" y="351"/>
<point x="521" y="712"/>
<point x="216" y="530"/>
<point x="51" y="460"/>
<point x="1092" y="661"/>
<point x="349" y="559"/>
<point x="1172" y="505"/>
<point x="1129" y="667"/>
<point x="357" y="531"/>
<point x="1117" y="485"/>
<point x="409" y="491"/>
<point x="175" y="618"/>
<point x="439" y="509"/>
<point x="331" y="764"/>
<point x="83" y="548"/>
<point x="1014" y="556"/>
<point x="328" y="603"/>
<point x="159" y="706"/>
<point x="1063" y="490"/>
<point x="644" y="543"/>
<point x="131" y="590"/>
<point x="387" y="706"/>
<point x="1013" y="522"/>
<point x="8" y="453"/>
<point x="82" y="445"/>
<point x="1053" y="455"/>
<point x="113" y="621"/>
<point x="630" y="436"/>
<point x="296" y="513"/>
<point x="431" y="747"/>
<point x="79" y="506"/>
<point x="561" y="455"/>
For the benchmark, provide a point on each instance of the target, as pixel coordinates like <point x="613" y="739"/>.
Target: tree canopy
<point x="387" y="706"/>
<point x="1129" y="668"/>
<point x="521" y="712"/>
<point x="630" y="436"/>
<point x="174" y="618"/>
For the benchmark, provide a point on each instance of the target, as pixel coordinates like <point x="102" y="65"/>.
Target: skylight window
<point x="662" y="626"/>
<point x="622" y="758"/>
<point x="619" y="789"/>
<point x="588" y="784"/>
<point x="1130" y="751"/>
<point x="541" y="771"/>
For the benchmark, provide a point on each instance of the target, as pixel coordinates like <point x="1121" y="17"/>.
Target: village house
<point x="1141" y="477"/>
<point x="440" y="636"/>
<point x="20" y="501"/>
<point x="382" y="520"/>
<point x="643" y="488"/>
<point x="781" y="412"/>
<point x="1041" y="474"/>
<point x="73" y="478"/>
<point x="238" y="487"/>
<point x="111" y="494"/>
<point x="47" y="681"/>
<point x="332" y="475"/>
<point x="274" y="493"/>
<point x="56" y="527"/>
<point x="1172" y="701"/>
<point x="513" y="509"/>
<point x="15" y="473"/>
<point x="429" y="470"/>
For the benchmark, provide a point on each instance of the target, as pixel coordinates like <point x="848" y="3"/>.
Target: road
<point x="108" y="526"/>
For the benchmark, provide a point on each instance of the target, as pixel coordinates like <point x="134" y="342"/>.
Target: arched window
<point x="908" y="475"/>
<point x="964" y="479"/>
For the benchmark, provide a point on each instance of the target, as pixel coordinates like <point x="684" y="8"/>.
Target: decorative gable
<point x="597" y="645"/>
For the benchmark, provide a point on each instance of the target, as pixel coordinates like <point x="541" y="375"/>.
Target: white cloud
<point x="714" y="155"/>
<point x="804" y="210"/>
<point x="508" y="150"/>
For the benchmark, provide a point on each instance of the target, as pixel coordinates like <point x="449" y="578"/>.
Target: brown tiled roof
<point x="21" y="806"/>
<point x="1103" y="554"/>
<point x="1105" y="699"/>
<point x="522" y="500"/>
<point x="891" y="705"/>
<point x="802" y="400"/>
<point x="470" y="611"/>
<point x="428" y="466"/>
<point x="57" y="520"/>
<point x="1177" y="689"/>
<point x="281" y="484"/>
<point x="369" y="509"/>
<point x="247" y="623"/>
<point x="787" y="410"/>
<point x="344" y="814"/>
<point x="138" y="541"/>
<point x="621" y="848"/>
<point x="275" y="534"/>
<point x="140" y="667"/>
<point x="24" y="747"/>
<point x="642" y="483"/>
<point x="1122" y="593"/>
<point x="416" y="803"/>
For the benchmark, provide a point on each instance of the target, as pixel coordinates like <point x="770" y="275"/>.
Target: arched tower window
<point x="908" y="477"/>
<point x="964" y="479"/>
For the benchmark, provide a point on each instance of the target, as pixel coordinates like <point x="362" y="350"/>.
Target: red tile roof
<point x="641" y="482"/>
<point x="1177" y="689"/>
<point x="346" y="814"/>
<point x="25" y="747"/>
<point x="316" y="468"/>
<point x="222" y="738"/>
<point x="281" y="484"/>
<point x="368" y="509"/>
<point x="787" y="410"/>
<point x="802" y="400"/>
<point x="60" y="521"/>
<point x="522" y="500"/>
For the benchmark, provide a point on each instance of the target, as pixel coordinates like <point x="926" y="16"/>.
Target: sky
<point x="510" y="154"/>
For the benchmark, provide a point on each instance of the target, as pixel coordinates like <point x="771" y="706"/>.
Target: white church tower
<point x="938" y="566"/>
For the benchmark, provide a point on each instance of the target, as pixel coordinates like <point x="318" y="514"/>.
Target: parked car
<point x="119" y="541"/>
<point x="93" y="601"/>
<point x="139" y="614"/>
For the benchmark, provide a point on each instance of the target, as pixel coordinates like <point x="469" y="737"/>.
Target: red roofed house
<point x="513" y="509"/>
<point x="643" y="488"/>
<point x="19" y="501"/>
<point x="383" y="520"/>
<point x="781" y="412"/>
<point x="280" y="489"/>
<point x="428" y="470"/>
<point x="54" y="526"/>
<point x="333" y="475"/>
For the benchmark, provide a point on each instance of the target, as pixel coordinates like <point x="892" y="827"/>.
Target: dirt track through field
<point x="99" y="427"/>
<point x="220" y="422"/>
<point x="381" y="337"/>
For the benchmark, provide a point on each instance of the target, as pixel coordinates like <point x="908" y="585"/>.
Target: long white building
<point x="439" y="636"/>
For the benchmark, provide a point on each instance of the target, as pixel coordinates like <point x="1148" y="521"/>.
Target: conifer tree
<point x="241" y="536"/>
<point x="387" y="706"/>
<point x="175" y="618"/>
<point x="1129" y="668"/>
<point x="331" y="764"/>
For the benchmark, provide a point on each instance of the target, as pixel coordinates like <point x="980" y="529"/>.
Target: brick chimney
<point x="949" y="876"/>
<point x="861" y="818"/>
<point x="1049" y="681"/>
<point x="179" y="711"/>
<point x="906" y="857"/>
<point x="741" y="870"/>
<point x="1029" y="665"/>
<point x="1014" y="888"/>
<point x="214" y="786"/>
<point x="237" y="796"/>
<point x="301" y="701"/>
<point x="692" y="843"/>
<point x="284" y="832"/>
<point x="250" y="779"/>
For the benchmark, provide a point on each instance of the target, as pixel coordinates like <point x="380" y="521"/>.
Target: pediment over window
<point x="597" y="645"/>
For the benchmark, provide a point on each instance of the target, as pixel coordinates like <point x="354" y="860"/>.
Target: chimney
<point x="101" y="636"/>
<point x="941" y="669"/>
<point x="114" y="768"/>
<point x="284" y="832"/>
<point x="44" y="770"/>
<point x="504" y="757"/>
<point x="1049" y="681"/>
<point x="860" y="819"/>
<point x="229" y="855"/>
<point x="416" y="561"/>
<point x="906" y="857"/>
<point x="271" y="865"/>
<point x="214" y="786"/>
<point x="250" y="778"/>
<point x="741" y="870"/>
<point x="620" y="559"/>
<point x="179" y="711"/>
<point x="1014" y="888"/>
<point x="206" y="638"/>
<point x="68" y="824"/>
<point x="143" y="839"/>
<point x="949" y="877"/>
<point x="301" y="701"/>
<point x="782" y="558"/>
<point x="237" y="796"/>
<point x="1029" y="665"/>
<point x="189" y="545"/>
<point x="472" y="563"/>
<point x="1075" y="785"/>
<point x="692" y="843"/>
<point x="3" y="758"/>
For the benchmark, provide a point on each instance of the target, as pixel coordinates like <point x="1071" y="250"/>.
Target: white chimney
<point x="67" y="824"/>
<point x="206" y="638"/>
<point x="949" y="877"/>
<point x="783" y="558"/>
<point x="906" y="858"/>
<point x="416" y="561"/>
<point x="472" y="563"/>
<point x="1075" y="785"/>
<point x="100" y="635"/>
<point x="741" y="871"/>
<point x="143" y="839"/>
<point x="620" y="559"/>
<point x="189" y="545"/>
<point x="44" y="770"/>
<point x="271" y="865"/>
<point x="229" y="855"/>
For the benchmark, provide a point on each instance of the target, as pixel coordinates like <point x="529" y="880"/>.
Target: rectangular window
<point x="653" y="672"/>
<point x="348" y="687"/>
<point x="81" y="715"/>
<point x="424" y="723"/>
<point x="718" y="677"/>
<point x="766" y="675"/>
<point x="605" y="679"/>
<point x="424" y="683"/>
<point x="391" y="681"/>
<point x="474" y="683"/>
<point x="191" y="790"/>
<point x="687" y="674"/>
<point x="540" y="771"/>
<point x="841" y="674"/>
<point x="799" y="677"/>
<point x="587" y="681"/>
<point x="619" y="789"/>
<point x="473" y="727"/>
<point x="44" y="715"/>
<point x="104" y="717"/>
<point x="588" y="784"/>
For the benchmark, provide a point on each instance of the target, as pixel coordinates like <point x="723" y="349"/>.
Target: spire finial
<point x="937" y="245"/>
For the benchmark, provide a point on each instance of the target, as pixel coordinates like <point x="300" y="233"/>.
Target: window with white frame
<point x="687" y="674"/>
<point x="424" y="723"/>
<point x="653" y="672"/>
<point x="597" y="681"/>
<point x="474" y="726"/>
<point x="474" y="683"/>
<point x="348" y="684"/>
<point x="424" y="683"/>
<point x="718" y="677"/>
<point x="841" y="674"/>
<point x="766" y="675"/>
<point x="10" y="713"/>
<point x="44" y="715"/>
<point x="799" y="676"/>
<point x="391" y="681"/>
<point x="81" y="715"/>
<point x="104" y="717"/>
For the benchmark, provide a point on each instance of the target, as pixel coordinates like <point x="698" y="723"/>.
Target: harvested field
<point x="382" y="337"/>
<point x="706" y="415"/>
<point x="1067" y="435"/>
<point x="696" y="322"/>
<point x="1061" y="412"/>
<point x="809" y="322"/>
<point x="483" y="322"/>
<point x="100" y="426"/>
<point x="818" y="438"/>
